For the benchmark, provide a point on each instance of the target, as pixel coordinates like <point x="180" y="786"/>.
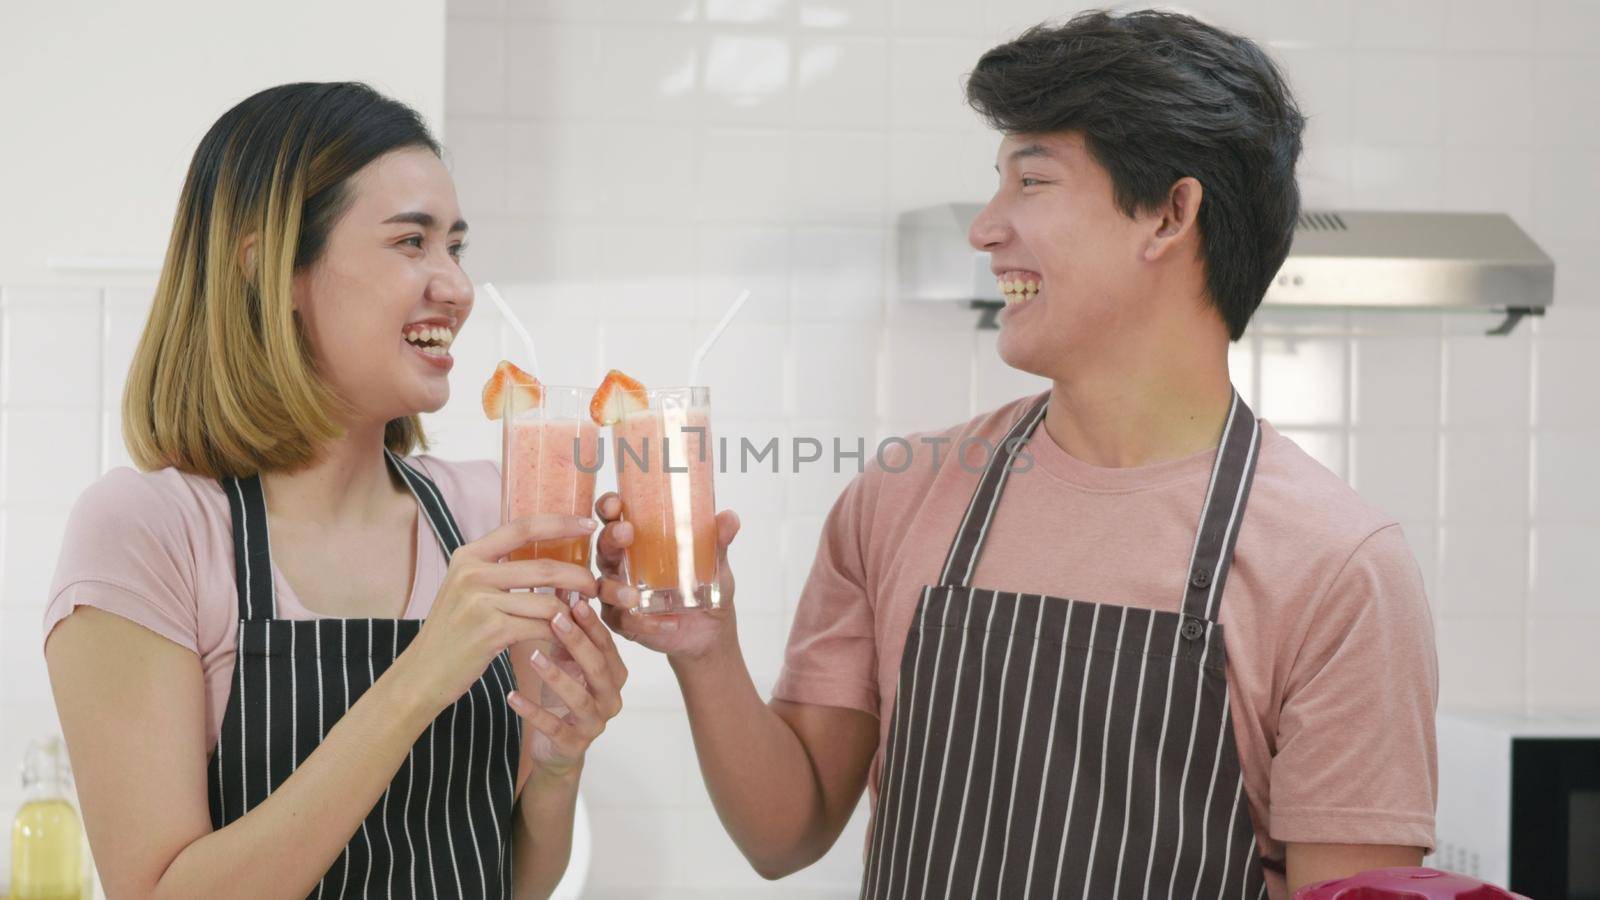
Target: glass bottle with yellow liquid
<point x="49" y="854"/>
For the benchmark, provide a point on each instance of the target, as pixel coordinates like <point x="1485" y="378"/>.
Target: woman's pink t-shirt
<point x="157" y="548"/>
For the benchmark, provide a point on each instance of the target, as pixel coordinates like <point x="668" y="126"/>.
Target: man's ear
<point x="1177" y="218"/>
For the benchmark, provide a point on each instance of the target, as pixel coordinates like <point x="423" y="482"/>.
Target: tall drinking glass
<point x="550" y="453"/>
<point x="664" y="467"/>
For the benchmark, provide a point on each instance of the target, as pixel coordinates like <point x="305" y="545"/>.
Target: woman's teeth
<point x="1017" y="289"/>
<point x="433" y="340"/>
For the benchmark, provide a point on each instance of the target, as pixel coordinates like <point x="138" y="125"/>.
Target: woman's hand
<point x="577" y="705"/>
<point x="476" y="613"/>
<point x="689" y="635"/>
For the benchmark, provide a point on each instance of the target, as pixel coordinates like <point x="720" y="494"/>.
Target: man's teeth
<point x="1017" y="290"/>
<point x="433" y="340"/>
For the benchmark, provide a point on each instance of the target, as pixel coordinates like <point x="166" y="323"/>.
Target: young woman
<point x="286" y="655"/>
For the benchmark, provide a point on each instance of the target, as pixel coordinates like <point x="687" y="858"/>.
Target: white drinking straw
<point x="511" y="317"/>
<point x="700" y="354"/>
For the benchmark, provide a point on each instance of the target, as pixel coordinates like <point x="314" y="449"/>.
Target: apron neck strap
<point x="1231" y="476"/>
<point x="252" y="553"/>
<point x="963" y="556"/>
<point x="252" y="550"/>
<point x="432" y="503"/>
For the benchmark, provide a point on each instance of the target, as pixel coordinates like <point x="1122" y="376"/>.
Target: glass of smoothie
<point x="549" y="454"/>
<point x="663" y="457"/>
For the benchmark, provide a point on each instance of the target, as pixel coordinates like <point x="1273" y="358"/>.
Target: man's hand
<point x="682" y="636"/>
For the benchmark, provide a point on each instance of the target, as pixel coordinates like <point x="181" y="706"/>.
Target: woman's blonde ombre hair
<point x="223" y="382"/>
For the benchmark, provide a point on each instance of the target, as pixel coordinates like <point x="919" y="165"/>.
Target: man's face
<point x="1053" y="225"/>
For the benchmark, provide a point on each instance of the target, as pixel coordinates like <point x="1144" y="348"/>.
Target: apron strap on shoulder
<point x="252" y="552"/>
<point x="432" y="503"/>
<point x="1231" y="477"/>
<point x="962" y="559"/>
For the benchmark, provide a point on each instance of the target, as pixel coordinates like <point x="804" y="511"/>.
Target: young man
<point x="1148" y="647"/>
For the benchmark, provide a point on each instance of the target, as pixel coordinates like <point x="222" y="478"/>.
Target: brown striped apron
<point x="1044" y="747"/>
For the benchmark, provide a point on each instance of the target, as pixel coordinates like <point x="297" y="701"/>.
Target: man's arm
<point x="784" y="777"/>
<point x="1341" y="812"/>
<point x="1311" y="863"/>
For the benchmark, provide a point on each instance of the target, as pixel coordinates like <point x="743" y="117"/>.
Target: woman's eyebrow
<point x="426" y="220"/>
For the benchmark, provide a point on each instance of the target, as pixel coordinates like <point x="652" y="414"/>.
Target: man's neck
<point x="348" y="483"/>
<point x="1122" y="419"/>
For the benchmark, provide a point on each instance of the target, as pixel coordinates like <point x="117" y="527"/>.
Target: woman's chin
<point x="434" y="405"/>
<point x="426" y="399"/>
<point x="438" y="398"/>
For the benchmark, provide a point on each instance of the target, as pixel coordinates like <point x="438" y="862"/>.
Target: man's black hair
<point x="1158" y="96"/>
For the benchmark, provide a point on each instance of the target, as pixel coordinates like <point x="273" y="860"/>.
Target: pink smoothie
<point x="541" y="475"/>
<point x="672" y="512"/>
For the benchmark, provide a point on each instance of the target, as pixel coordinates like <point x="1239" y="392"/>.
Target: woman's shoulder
<point x="457" y="477"/>
<point x="471" y="490"/>
<point x="157" y="500"/>
<point x="146" y="545"/>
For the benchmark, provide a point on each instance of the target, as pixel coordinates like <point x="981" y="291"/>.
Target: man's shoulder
<point x="1296" y="500"/>
<point x="916" y="471"/>
<point x="923" y="454"/>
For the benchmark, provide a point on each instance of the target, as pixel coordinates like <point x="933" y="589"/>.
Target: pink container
<point x="1405" y="884"/>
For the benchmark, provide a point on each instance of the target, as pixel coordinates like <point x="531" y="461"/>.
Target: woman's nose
<point x="451" y="286"/>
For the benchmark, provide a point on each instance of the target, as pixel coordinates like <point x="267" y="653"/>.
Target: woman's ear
<point x="247" y="255"/>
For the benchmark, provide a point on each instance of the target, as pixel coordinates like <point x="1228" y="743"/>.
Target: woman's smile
<point x="430" y="340"/>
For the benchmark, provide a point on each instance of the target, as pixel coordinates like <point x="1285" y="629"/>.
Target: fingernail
<point x="669" y="625"/>
<point x="589" y="524"/>
<point x="582" y="610"/>
<point x="540" y="660"/>
<point x="629" y="596"/>
<point x="562" y="622"/>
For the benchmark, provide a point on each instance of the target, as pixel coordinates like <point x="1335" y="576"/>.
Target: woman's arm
<point x="580" y="695"/>
<point x="543" y="832"/>
<point x="132" y="708"/>
<point x="546" y="805"/>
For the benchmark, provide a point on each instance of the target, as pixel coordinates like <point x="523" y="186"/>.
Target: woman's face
<point x="388" y="295"/>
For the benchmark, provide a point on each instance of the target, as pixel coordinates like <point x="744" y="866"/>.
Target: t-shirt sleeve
<point x="1356" y="758"/>
<point x="126" y="550"/>
<point x="832" y="655"/>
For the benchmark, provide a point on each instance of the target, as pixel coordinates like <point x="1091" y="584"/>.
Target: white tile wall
<point x="628" y="166"/>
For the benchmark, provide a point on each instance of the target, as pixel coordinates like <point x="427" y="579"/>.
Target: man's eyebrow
<point x="1028" y="150"/>
<point x="426" y="220"/>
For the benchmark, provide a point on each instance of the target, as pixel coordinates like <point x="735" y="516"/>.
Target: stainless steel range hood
<point x="1388" y="260"/>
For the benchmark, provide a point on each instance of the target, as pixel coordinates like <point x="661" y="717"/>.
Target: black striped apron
<point x="1043" y="747"/>
<point x="443" y="827"/>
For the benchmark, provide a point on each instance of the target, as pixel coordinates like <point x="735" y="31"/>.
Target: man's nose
<point x="987" y="231"/>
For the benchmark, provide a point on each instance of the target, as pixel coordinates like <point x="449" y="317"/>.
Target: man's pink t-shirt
<point x="157" y="548"/>
<point x="1331" y="665"/>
